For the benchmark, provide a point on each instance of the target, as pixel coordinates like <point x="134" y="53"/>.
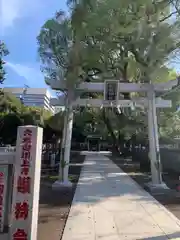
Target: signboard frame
<point x="3" y="194"/>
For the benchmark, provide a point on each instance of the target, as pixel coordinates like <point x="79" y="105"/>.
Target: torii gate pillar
<point x="63" y="180"/>
<point x="153" y="139"/>
<point x="154" y="152"/>
<point x="67" y="147"/>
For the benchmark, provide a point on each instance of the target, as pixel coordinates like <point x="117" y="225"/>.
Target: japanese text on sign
<point x="20" y="235"/>
<point x="111" y="91"/>
<point x="21" y="210"/>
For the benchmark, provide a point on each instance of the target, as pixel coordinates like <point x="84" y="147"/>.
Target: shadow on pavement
<point x="100" y="175"/>
<point x="55" y="198"/>
<point x="170" y="199"/>
<point x="163" y="237"/>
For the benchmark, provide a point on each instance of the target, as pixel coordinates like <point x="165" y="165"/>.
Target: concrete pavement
<point x="3" y="236"/>
<point x="109" y="205"/>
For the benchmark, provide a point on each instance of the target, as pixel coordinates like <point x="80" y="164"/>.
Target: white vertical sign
<point x="26" y="183"/>
<point x="3" y="193"/>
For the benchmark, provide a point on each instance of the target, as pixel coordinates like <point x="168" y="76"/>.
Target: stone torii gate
<point x="117" y="87"/>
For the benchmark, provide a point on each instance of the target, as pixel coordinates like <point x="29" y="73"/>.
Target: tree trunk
<point x="109" y="127"/>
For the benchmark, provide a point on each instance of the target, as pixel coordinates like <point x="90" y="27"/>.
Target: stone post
<point x="25" y="204"/>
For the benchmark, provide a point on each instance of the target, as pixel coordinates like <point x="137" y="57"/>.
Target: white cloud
<point x="11" y="10"/>
<point x="32" y="75"/>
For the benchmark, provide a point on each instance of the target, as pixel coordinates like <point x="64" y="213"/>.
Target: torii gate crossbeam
<point x="124" y="87"/>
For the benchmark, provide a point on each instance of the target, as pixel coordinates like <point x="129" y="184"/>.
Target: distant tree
<point x="13" y="114"/>
<point x="8" y="128"/>
<point x="9" y="103"/>
<point x="35" y="115"/>
<point x="3" y="52"/>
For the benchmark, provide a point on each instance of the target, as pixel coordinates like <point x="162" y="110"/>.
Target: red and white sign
<point x="26" y="184"/>
<point x="3" y="192"/>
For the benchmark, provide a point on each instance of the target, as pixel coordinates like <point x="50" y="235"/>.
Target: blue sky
<point x="21" y="21"/>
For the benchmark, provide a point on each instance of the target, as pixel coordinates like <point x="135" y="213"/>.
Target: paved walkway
<point x="109" y="205"/>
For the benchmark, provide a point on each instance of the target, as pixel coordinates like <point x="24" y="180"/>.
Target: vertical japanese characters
<point x="22" y="208"/>
<point x="111" y="90"/>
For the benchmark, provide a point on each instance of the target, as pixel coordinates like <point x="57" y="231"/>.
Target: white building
<point x="39" y="97"/>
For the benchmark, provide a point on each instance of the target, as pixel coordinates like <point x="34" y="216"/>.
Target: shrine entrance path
<point x="109" y="205"/>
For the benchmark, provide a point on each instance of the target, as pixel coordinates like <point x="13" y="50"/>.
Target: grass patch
<point x="53" y="178"/>
<point x="56" y="177"/>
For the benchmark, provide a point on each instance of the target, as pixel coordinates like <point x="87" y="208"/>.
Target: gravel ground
<point x="55" y="205"/>
<point x="54" y="210"/>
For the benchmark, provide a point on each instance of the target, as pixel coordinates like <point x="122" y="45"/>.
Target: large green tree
<point x="121" y="36"/>
<point x="60" y="51"/>
<point x="127" y="40"/>
<point x="130" y="41"/>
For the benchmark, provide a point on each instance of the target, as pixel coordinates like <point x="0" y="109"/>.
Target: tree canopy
<point x="132" y="41"/>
